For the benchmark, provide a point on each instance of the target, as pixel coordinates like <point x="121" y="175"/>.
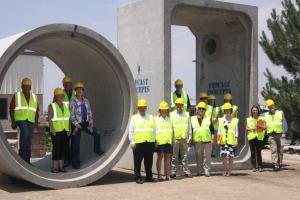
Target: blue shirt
<point x="83" y="111"/>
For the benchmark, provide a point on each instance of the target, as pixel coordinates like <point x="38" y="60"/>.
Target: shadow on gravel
<point x="269" y="167"/>
<point x="115" y="177"/>
<point x="19" y="186"/>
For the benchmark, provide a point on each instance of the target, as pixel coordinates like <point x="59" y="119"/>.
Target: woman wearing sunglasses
<point x="164" y="139"/>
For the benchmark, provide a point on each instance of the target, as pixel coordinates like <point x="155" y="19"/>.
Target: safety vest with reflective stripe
<point x="251" y="123"/>
<point x="23" y="110"/>
<point x="215" y="115"/>
<point x="209" y="110"/>
<point x="66" y="97"/>
<point x="164" y="133"/>
<point x="143" y="132"/>
<point x="201" y="133"/>
<point x="274" y="125"/>
<point x="60" y="119"/>
<point x="234" y="110"/>
<point x="184" y="96"/>
<point x="230" y="139"/>
<point x="181" y="128"/>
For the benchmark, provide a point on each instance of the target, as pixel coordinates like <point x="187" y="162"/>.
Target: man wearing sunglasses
<point x="209" y="108"/>
<point x="203" y="139"/>
<point x="180" y="120"/>
<point x="179" y="93"/>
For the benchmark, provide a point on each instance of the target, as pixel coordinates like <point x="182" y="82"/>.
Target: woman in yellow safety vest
<point x="60" y="126"/>
<point x="215" y="117"/>
<point x="227" y="137"/>
<point x="255" y="138"/>
<point x="164" y="139"/>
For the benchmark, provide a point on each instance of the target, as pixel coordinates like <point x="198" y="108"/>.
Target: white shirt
<point x="131" y="128"/>
<point x="189" y="133"/>
<point x="226" y="123"/>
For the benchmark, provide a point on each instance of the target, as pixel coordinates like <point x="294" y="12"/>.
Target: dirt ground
<point x="118" y="184"/>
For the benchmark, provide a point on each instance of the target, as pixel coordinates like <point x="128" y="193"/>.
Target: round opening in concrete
<point x="89" y="58"/>
<point x="211" y="46"/>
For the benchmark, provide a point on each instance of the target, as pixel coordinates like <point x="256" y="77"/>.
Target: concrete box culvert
<point x="89" y="58"/>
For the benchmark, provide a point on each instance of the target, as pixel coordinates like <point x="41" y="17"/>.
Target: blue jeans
<point x="26" y="129"/>
<point x="75" y="145"/>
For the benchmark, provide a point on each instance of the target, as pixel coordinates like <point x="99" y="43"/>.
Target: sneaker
<point x="188" y="175"/>
<point x="276" y="169"/>
<point x="253" y="170"/>
<point x="207" y="174"/>
<point x="173" y="175"/>
<point x="260" y="169"/>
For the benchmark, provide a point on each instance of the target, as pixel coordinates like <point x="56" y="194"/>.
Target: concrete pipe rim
<point x="22" y="170"/>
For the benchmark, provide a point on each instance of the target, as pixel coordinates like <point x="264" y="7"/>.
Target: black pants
<point x="59" y="145"/>
<point x="143" y="150"/>
<point x="256" y="144"/>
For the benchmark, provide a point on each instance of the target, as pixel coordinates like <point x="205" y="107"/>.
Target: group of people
<point x="173" y="130"/>
<point x="69" y="114"/>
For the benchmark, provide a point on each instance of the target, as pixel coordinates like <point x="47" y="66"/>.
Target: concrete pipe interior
<point x="89" y="58"/>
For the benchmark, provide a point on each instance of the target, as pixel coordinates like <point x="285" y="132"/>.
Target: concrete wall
<point x="144" y="39"/>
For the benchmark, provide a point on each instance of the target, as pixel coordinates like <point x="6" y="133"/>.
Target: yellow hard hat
<point x="202" y="105"/>
<point x="58" y="91"/>
<point x="179" y="101"/>
<point x="227" y="106"/>
<point x="26" y="81"/>
<point x="269" y="102"/>
<point x="212" y="97"/>
<point x="227" y="97"/>
<point x="78" y="85"/>
<point x="163" y="106"/>
<point x="67" y="79"/>
<point x="142" y="103"/>
<point x="203" y="95"/>
<point x="178" y="82"/>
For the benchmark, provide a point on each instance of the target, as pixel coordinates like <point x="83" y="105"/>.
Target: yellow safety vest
<point x="209" y="110"/>
<point x="230" y="139"/>
<point x="60" y="119"/>
<point x="251" y="123"/>
<point x="164" y="133"/>
<point x="215" y="115"/>
<point x="181" y="128"/>
<point x="143" y="132"/>
<point x="66" y="98"/>
<point x="201" y="133"/>
<point x="184" y="96"/>
<point x="23" y="110"/>
<point x="276" y="124"/>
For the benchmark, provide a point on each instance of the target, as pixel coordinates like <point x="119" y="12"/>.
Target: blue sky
<point x="101" y="16"/>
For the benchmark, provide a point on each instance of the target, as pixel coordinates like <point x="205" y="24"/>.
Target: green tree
<point x="284" y="50"/>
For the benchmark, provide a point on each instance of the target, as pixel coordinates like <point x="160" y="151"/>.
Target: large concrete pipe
<point x="89" y="58"/>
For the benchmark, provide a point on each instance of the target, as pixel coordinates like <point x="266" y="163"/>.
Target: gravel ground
<point x="118" y="184"/>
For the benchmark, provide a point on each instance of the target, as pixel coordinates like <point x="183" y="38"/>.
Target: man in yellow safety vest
<point x="69" y="94"/>
<point x="141" y="137"/>
<point x="23" y="112"/>
<point x="276" y="129"/>
<point x="179" y="93"/>
<point x="180" y="120"/>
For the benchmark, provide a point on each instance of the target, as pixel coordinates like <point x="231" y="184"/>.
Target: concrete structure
<point x="226" y="55"/>
<point x="89" y="58"/>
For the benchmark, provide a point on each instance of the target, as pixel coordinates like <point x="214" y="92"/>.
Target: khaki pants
<point x="281" y="156"/>
<point x="215" y="151"/>
<point x="182" y="146"/>
<point x="203" y="156"/>
<point x="275" y="147"/>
